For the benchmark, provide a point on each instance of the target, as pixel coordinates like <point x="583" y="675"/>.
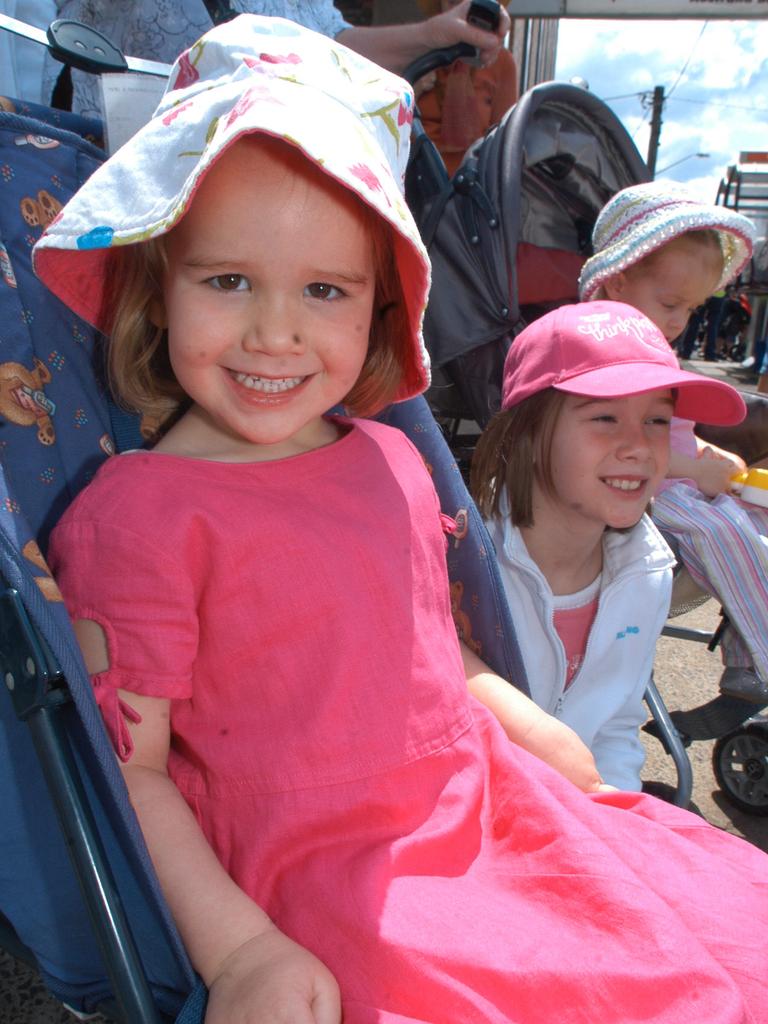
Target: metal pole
<point x="525" y="56"/>
<point x="653" y="142"/>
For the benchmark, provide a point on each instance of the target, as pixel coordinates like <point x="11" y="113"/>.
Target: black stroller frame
<point x="41" y="697"/>
<point x="525" y="196"/>
<point x="740" y="729"/>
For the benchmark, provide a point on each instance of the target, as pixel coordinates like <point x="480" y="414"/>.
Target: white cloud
<point x="719" y="105"/>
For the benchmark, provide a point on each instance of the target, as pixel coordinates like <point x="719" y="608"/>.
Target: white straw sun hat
<point x="642" y="218"/>
<point x="252" y="74"/>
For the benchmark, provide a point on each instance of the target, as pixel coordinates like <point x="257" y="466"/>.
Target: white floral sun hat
<point x="251" y="74"/>
<point x="640" y="219"/>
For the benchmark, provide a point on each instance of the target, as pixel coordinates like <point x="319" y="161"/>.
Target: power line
<point x="629" y="95"/>
<point x="688" y="61"/>
<point x="647" y="108"/>
<point x="626" y="96"/>
<point x="682" y="99"/>
<point x="643" y="120"/>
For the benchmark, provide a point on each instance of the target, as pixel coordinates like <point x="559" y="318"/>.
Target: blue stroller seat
<point x="101" y="934"/>
<point x="55" y="431"/>
<point x="42" y="164"/>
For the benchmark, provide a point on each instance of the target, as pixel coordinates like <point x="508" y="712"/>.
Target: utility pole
<point x="653" y="142"/>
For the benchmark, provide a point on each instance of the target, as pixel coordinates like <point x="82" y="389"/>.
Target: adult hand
<point x="452" y="27"/>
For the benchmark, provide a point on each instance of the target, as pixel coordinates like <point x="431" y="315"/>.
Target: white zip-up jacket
<point x="604" y="703"/>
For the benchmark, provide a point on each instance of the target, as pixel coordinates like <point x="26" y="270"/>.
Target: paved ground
<point x="686" y="674"/>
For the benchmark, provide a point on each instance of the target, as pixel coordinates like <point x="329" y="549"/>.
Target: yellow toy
<point x="753" y="486"/>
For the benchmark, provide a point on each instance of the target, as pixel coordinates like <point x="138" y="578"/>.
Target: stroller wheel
<point x="740" y="763"/>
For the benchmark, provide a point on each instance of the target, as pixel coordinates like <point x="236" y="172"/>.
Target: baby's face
<point x="670" y="284"/>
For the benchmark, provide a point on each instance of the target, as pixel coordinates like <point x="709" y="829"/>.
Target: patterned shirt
<point x="162" y="29"/>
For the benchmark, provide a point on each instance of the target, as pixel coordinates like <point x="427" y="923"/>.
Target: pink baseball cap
<point x="610" y="350"/>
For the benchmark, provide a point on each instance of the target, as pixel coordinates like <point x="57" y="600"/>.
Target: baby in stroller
<point x="262" y="598"/>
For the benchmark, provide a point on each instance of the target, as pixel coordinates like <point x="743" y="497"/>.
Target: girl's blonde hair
<point x="514" y="450"/>
<point x="138" y="368"/>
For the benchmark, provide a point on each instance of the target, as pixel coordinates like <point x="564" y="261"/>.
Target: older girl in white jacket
<point x="563" y="476"/>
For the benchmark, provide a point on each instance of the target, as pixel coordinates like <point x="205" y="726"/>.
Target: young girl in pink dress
<point x="339" y="827"/>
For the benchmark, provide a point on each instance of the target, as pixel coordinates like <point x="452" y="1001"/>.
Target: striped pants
<point x="723" y="543"/>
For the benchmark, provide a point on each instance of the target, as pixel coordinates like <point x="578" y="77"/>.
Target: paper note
<point x="128" y="102"/>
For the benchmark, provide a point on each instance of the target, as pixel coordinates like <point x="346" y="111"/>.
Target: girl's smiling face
<point x="267" y="300"/>
<point x="607" y="458"/>
<point x="669" y="284"/>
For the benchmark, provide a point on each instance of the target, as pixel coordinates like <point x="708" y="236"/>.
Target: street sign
<point x="731" y="9"/>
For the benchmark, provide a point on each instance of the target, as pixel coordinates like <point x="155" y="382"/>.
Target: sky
<point x="715" y="77"/>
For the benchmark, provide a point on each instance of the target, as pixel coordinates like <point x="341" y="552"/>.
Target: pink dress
<point x="297" y="614"/>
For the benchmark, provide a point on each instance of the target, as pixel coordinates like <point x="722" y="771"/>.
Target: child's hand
<point x="556" y="743"/>
<point x="714" y="470"/>
<point x="530" y="727"/>
<point x="272" y="980"/>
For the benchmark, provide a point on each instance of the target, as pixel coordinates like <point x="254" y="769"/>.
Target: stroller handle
<point x="82" y="46"/>
<point x="437" y="59"/>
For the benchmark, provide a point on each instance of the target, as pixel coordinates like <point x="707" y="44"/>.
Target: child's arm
<point x="711" y="470"/>
<point x="254" y="972"/>
<point x="531" y="728"/>
<point x="717" y="453"/>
